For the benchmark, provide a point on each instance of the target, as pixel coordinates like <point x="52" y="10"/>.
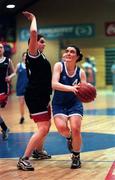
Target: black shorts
<point x="38" y="106"/>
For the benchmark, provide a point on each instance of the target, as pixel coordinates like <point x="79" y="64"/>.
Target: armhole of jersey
<point x="9" y="60"/>
<point x="80" y="71"/>
<point x="20" y="63"/>
<point x="62" y="64"/>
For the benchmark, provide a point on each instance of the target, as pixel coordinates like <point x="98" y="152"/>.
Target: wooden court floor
<point x="98" y="160"/>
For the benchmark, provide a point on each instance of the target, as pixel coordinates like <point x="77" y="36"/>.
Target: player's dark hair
<point x="38" y="37"/>
<point x="24" y="53"/>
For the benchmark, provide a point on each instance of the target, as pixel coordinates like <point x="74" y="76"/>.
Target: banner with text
<point x="56" y="32"/>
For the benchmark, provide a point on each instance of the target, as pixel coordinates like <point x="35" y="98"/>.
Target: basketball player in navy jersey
<point x="37" y="95"/>
<point x="66" y="107"/>
<point x="21" y="84"/>
<point x="6" y="66"/>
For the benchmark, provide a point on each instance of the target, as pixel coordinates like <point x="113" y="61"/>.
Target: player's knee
<point x="44" y="130"/>
<point x="61" y="129"/>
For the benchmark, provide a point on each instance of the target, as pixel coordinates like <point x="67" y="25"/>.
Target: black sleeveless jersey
<point x="4" y="63"/>
<point x="39" y="75"/>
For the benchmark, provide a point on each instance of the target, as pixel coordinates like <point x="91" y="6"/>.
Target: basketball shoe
<point x="76" y="163"/>
<point x="40" y="155"/>
<point x="24" y="165"/>
<point x="21" y="120"/>
<point x="5" y="134"/>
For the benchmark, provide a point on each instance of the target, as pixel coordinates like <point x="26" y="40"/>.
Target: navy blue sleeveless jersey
<point x="22" y="80"/>
<point x="67" y="98"/>
<point x="4" y="63"/>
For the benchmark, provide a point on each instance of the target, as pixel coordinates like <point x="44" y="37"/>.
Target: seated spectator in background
<point x="113" y="75"/>
<point x="90" y="70"/>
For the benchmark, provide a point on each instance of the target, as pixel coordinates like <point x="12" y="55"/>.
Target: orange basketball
<point x="86" y="92"/>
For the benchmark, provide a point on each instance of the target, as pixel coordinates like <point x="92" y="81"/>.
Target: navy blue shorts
<point x="20" y="91"/>
<point x="68" y="111"/>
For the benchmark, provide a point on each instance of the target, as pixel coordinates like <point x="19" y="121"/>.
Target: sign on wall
<point x="110" y="29"/>
<point x="56" y="32"/>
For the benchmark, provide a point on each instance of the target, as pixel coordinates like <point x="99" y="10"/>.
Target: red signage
<point x="110" y="29"/>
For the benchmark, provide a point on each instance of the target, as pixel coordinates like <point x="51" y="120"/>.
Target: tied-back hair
<point x="38" y="37"/>
<point x="24" y="53"/>
<point x="78" y="53"/>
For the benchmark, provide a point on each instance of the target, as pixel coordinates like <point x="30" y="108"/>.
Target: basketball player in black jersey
<point x="6" y="66"/>
<point x="37" y="94"/>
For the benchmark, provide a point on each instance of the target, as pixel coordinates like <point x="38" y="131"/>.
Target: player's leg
<point x="75" y="124"/>
<point x="21" y="108"/>
<point x="61" y="122"/>
<point x="36" y="138"/>
<point x="39" y="151"/>
<point x="5" y="130"/>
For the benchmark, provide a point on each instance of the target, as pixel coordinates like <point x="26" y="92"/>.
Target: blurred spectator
<point x="90" y="69"/>
<point x="113" y="75"/>
<point x="21" y="84"/>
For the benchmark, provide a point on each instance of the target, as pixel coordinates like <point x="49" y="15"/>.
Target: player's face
<point x="71" y="54"/>
<point x="41" y="44"/>
<point x="1" y="50"/>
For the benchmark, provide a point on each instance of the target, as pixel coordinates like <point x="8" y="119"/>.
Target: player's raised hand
<point x="28" y="15"/>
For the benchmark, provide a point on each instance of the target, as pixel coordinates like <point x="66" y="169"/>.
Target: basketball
<point x="86" y="92"/>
